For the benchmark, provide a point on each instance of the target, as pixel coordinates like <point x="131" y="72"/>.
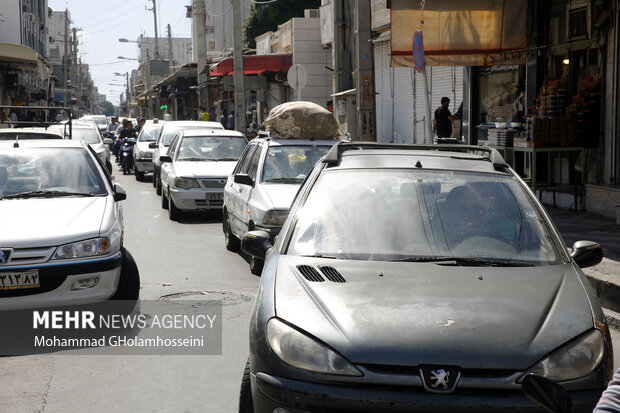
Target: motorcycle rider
<point x="122" y="133"/>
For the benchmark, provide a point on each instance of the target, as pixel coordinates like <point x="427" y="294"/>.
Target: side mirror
<point x="256" y="243"/>
<point x="152" y="145"/>
<point x="244" y="179"/>
<point x="119" y="193"/>
<point x="108" y="141"/>
<point x="165" y="158"/>
<point x="546" y="393"/>
<point x="587" y="253"/>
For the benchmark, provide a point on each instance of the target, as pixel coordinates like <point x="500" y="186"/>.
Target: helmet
<point x="141" y="120"/>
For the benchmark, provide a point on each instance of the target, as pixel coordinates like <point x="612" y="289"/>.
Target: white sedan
<point x="194" y="172"/>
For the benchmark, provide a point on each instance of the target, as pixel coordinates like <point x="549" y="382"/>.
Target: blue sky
<point x="104" y="22"/>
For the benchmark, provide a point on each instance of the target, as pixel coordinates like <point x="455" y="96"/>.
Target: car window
<point x="395" y="214"/>
<point x="253" y="165"/>
<point x="174" y="144"/>
<point x="88" y="135"/>
<point x="69" y="170"/>
<point x="210" y="148"/>
<point x="149" y="133"/>
<point x="244" y="162"/>
<point x="291" y="164"/>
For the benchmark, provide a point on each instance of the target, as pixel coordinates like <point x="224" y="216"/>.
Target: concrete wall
<point x="10" y="31"/>
<point x="602" y="200"/>
<point x="307" y="51"/>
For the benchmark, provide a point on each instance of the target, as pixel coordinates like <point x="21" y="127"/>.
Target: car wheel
<point x="158" y="186"/>
<point x="232" y="243"/>
<point x="164" y="200"/>
<point x="129" y="284"/>
<point x="174" y="213"/>
<point x="154" y="179"/>
<point x="256" y="265"/>
<point x="139" y="175"/>
<point x="125" y="167"/>
<point x="245" y="393"/>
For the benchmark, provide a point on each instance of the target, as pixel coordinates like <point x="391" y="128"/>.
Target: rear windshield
<point x="149" y="133"/>
<point x="11" y="136"/>
<point x="210" y="148"/>
<point x="88" y="135"/>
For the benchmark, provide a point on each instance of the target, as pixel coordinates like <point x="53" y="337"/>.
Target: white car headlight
<point x="275" y="217"/>
<point x="89" y="248"/>
<point x="573" y="360"/>
<point x="186" y="183"/>
<point x="304" y="353"/>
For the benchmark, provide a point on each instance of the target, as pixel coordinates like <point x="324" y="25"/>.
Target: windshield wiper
<point x="226" y="159"/>
<point x="46" y="194"/>
<point x="467" y="261"/>
<point x="331" y="257"/>
<point x="194" y="159"/>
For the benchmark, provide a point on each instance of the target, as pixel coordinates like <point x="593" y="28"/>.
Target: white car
<point x="165" y="138"/>
<point x="29" y="133"/>
<point x="194" y="172"/>
<point x="259" y="192"/>
<point x="61" y="241"/>
<point x="142" y="152"/>
<point x="89" y="133"/>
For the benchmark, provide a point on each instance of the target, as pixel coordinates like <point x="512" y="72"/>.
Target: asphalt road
<point x="186" y="258"/>
<point x="172" y="257"/>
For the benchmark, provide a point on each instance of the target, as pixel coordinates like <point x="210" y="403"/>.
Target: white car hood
<point x="144" y="146"/>
<point x="281" y="195"/>
<point x="39" y="222"/>
<point x="204" y="169"/>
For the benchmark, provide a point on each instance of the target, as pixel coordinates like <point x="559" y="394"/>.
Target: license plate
<point x="18" y="280"/>
<point x="215" y="197"/>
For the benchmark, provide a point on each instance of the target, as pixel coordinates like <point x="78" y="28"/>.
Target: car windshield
<point x="99" y="120"/>
<point x="210" y="148"/>
<point x="11" y="136"/>
<point x="396" y="214"/>
<point x="89" y="135"/>
<point x="291" y="164"/>
<point x="48" y="172"/>
<point x="149" y="133"/>
<point x="171" y="129"/>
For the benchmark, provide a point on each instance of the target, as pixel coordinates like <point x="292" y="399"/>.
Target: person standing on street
<point x="230" y="123"/>
<point x="443" y="119"/>
<point x="223" y="119"/>
<point x="204" y="115"/>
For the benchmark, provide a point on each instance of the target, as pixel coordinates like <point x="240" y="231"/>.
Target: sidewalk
<point x="605" y="277"/>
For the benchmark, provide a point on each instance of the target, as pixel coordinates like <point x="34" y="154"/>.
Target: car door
<point x="167" y="173"/>
<point x="240" y="193"/>
<point x="231" y="190"/>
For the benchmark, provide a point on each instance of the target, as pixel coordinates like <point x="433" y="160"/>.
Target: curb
<point x="607" y="293"/>
<point x="613" y="318"/>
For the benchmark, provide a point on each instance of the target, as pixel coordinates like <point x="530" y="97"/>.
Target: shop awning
<point x="18" y="57"/>
<point x="460" y="33"/>
<point x="253" y="65"/>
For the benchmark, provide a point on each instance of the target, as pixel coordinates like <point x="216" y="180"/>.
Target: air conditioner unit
<point x="312" y="13"/>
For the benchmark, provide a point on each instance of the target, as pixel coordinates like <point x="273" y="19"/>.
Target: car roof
<point x="43" y="143"/>
<point x="214" y="132"/>
<point x="292" y="141"/>
<point x="437" y="157"/>
<point x="29" y="130"/>
<point x="194" y="123"/>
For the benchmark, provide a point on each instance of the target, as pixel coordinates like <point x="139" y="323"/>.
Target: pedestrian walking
<point x="443" y="119"/>
<point x="204" y="115"/>
<point x="230" y="123"/>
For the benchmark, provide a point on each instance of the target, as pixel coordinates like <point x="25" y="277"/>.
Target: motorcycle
<point x="126" y="154"/>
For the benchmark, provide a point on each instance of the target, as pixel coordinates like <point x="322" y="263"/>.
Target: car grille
<point x="209" y="204"/>
<point x="24" y="256"/>
<point x="213" y="183"/>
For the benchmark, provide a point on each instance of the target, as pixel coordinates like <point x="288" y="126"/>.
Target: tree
<point x="266" y="17"/>
<point x="108" y="108"/>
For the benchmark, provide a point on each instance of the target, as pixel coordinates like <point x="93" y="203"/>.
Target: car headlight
<point x="275" y="217"/>
<point x="573" y="360"/>
<point x="88" y="248"/>
<point x="304" y="353"/>
<point x="138" y="153"/>
<point x="186" y="183"/>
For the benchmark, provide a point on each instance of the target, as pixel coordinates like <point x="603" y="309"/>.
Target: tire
<point x="154" y="178"/>
<point x="125" y="167"/>
<point x="158" y="186"/>
<point x="245" y="392"/>
<point x="256" y="265"/>
<point x="230" y="240"/>
<point x="129" y="283"/>
<point x="164" y="200"/>
<point x="174" y="213"/>
<point x="139" y="175"/>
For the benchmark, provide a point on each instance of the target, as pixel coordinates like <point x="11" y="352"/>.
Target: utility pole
<point x="238" y="67"/>
<point x="66" y="59"/>
<point x="128" y="94"/>
<point x="75" y="81"/>
<point x="170" y="62"/>
<point x="364" y="87"/>
<point x="201" y="43"/>
<point x="156" y="38"/>
<point x="149" y="111"/>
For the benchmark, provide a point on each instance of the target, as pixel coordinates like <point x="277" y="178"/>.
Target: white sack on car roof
<point x="302" y="120"/>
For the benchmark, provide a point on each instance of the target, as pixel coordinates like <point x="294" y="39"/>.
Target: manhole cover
<point x="227" y="298"/>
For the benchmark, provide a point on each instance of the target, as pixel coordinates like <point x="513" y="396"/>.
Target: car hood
<point x="40" y="222"/>
<point x="408" y="314"/>
<point x="202" y="169"/>
<point x="144" y="146"/>
<point x="281" y="195"/>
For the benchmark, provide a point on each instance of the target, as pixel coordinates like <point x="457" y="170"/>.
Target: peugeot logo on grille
<point x="439" y="379"/>
<point x="4" y="256"/>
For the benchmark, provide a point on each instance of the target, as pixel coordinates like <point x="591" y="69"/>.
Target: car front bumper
<point x="144" y="165"/>
<point x="270" y="392"/>
<point x="56" y="281"/>
<point x="196" y="199"/>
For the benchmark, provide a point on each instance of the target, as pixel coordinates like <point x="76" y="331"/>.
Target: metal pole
<point x="238" y="66"/>
<point x="201" y="43"/>
<point x="429" y="121"/>
<point x="170" y="62"/>
<point x="66" y="57"/>
<point x="156" y="38"/>
<point x="128" y="94"/>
